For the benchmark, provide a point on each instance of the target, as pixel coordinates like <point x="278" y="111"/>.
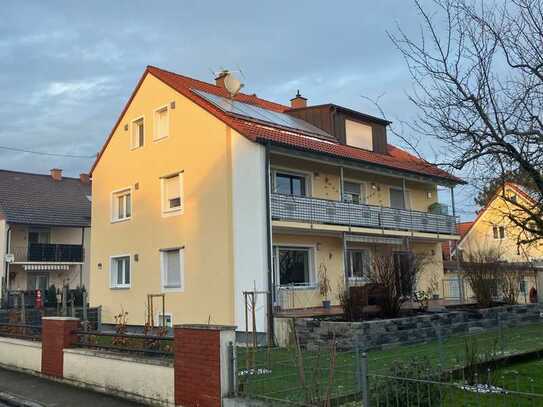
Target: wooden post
<point x="64" y="300"/>
<point x="85" y="311"/>
<point x="23" y="308"/>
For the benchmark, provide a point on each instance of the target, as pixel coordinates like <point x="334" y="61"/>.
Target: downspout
<point x="269" y="241"/>
<point x="83" y="258"/>
<point x="5" y="288"/>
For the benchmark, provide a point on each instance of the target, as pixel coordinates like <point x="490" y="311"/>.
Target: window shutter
<point x="172" y="192"/>
<point x="172" y="259"/>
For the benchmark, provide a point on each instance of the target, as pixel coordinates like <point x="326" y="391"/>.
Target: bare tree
<point x="481" y="269"/>
<point x="478" y="73"/>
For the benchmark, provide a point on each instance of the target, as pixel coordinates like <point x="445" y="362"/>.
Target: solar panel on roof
<point x="259" y="114"/>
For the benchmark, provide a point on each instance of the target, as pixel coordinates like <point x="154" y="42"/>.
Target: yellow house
<point x="493" y="230"/>
<point x="201" y="195"/>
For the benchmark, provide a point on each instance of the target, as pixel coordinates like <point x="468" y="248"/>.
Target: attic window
<point x="137" y="136"/>
<point x="359" y="135"/>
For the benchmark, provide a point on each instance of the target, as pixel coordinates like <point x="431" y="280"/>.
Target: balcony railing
<point x="315" y="210"/>
<point x="47" y="252"/>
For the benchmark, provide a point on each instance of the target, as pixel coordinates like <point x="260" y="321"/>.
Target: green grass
<point x="283" y="381"/>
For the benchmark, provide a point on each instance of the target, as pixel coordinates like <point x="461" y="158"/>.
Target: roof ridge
<point x="37" y="174"/>
<point x="218" y="87"/>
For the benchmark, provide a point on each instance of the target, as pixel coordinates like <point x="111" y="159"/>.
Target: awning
<point x="46" y="267"/>
<point x="373" y="239"/>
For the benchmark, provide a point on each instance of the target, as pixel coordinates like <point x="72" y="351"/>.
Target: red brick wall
<point x="197" y="367"/>
<point x="56" y="335"/>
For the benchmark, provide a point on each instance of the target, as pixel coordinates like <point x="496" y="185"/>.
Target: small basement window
<point x="138" y="133"/>
<point x="359" y="135"/>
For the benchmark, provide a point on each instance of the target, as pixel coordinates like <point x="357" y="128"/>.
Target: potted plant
<point x="324" y="286"/>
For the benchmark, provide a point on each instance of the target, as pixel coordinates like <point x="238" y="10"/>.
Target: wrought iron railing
<point x="316" y="210"/>
<point x="48" y="252"/>
<point x="20" y="331"/>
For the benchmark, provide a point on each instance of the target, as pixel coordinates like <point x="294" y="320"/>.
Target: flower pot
<point x="326" y="304"/>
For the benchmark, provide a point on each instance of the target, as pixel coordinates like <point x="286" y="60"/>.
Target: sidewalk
<point x="49" y="393"/>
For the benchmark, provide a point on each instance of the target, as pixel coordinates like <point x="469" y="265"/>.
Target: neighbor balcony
<point x="323" y="211"/>
<point x="49" y="253"/>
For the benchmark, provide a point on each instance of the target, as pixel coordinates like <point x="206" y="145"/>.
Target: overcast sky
<point x="68" y="67"/>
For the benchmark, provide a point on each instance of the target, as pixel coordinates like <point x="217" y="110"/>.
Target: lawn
<point x="276" y="375"/>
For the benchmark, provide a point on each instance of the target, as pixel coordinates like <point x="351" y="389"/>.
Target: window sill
<point x="172" y="289"/>
<point x="120" y="287"/>
<point x="172" y="212"/>
<point x="299" y="287"/>
<point x="158" y="140"/>
<point x="121" y="220"/>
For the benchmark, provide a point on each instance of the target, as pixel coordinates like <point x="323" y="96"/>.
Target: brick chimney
<point x="84" y="178"/>
<point x="219" y="80"/>
<point x="56" y="174"/>
<point x="298" y="101"/>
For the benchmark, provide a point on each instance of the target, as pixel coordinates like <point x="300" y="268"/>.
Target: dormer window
<point x="359" y="135"/>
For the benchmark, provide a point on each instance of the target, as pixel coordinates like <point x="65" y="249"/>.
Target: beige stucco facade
<point x="199" y="147"/>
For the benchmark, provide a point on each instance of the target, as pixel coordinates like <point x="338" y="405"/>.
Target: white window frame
<point x="172" y="211"/>
<point x="297" y="173"/>
<point x="115" y="285"/>
<point x="313" y="283"/>
<point x="155" y="127"/>
<point x="131" y="140"/>
<point x="350" y="276"/>
<point x="163" y="287"/>
<point x="114" y="213"/>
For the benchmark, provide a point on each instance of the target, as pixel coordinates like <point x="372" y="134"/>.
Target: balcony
<point x="47" y="252"/>
<point x="322" y="211"/>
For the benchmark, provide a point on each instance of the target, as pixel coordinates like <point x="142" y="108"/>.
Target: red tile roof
<point x="395" y="159"/>
<point x="463" y="228"/>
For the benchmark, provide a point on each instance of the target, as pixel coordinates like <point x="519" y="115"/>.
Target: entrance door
<point x="403" y="264"/>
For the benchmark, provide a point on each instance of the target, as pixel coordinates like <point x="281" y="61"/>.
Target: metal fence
<point x="155" y="345"/>
<point x="315" y="210"/>
<point x="481" y="368"/>
<point x="20" y="331"/>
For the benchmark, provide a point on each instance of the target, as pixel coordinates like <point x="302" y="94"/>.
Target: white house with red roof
<point x="208" y="198"/>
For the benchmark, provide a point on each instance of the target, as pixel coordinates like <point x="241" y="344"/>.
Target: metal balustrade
<point x="323" y="211"/>
<point x="46" y="252"/>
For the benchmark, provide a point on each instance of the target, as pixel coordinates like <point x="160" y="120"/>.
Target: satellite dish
<point x="232" y="84"/>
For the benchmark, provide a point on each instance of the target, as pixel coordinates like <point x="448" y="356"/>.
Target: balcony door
<point x="37" y="281"/>
<point x="399" y="199"/>
<point x="36" y="235"/>
<point x="354" y="192"/>
<point x="293" y="266"/>
<point x="358" y="264"/>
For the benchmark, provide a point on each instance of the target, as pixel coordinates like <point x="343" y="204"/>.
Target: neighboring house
<point x="44" y="230"/>
<point x="492" y="230"/>
<point x="202" y="196"/>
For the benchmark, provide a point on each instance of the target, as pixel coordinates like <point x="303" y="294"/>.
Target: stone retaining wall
<point x="380" y="334"/>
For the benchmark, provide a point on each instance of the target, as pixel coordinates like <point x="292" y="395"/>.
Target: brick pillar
<point x="55" y="336"/>
<point x="201" y="367"/>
